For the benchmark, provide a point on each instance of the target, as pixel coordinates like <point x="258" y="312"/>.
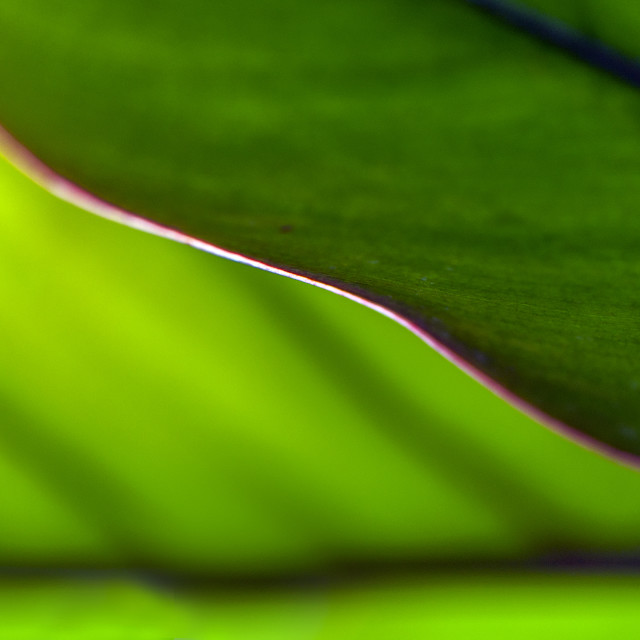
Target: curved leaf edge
<point x="36" y="170"/>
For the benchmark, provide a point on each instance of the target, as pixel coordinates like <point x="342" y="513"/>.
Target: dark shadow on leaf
<point x="83" y="482"/>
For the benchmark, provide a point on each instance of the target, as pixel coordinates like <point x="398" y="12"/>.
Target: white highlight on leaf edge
<point x="32" y="167"/>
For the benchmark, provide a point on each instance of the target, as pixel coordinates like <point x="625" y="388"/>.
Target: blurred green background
<point x="191" y="448"/>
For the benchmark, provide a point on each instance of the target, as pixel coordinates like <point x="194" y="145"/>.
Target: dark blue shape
<point x="564" y="37"/>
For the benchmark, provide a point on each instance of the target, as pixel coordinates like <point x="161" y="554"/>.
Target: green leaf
<point x="162" y="409"/>
<point x="219" y="453"/>
<point x="614" y="23"/>
<point x="463" y="606"/>
<point x="420" y="155"/>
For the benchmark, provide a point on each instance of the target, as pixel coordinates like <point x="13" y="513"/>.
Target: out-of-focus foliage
<point x="527" y="606"/>
<point x="612" y="22"/>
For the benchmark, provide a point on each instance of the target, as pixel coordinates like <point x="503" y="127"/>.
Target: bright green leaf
<point x="492" y="606"/>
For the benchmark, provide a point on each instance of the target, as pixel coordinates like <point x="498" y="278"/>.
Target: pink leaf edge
<point x="43" y="175"/>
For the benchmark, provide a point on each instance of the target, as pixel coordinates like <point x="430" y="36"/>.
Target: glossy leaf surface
<point x="418" y="154"/>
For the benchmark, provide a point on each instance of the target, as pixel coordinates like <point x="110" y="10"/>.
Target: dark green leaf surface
<point x="419" y="154"/>
<point x="612" y="22"/>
